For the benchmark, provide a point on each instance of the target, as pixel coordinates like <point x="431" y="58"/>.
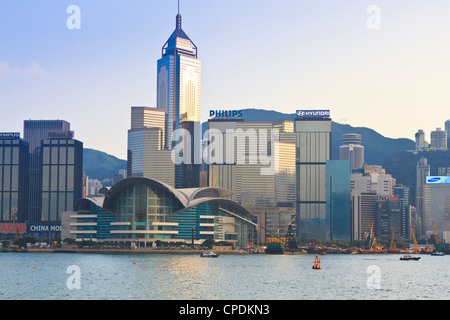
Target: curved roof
<point x="244" y="213"/>
<point x="204" y="192"/>
<point x="98" y="201"/>
<point x="119" y="186"/>
<point x="188" y="198"/>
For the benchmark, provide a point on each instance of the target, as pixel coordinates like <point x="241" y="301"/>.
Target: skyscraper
<point x="178" y="93"/>
<point x="352" y="150"/>
<point x="34" y="132"/>
<point x="313" y="150"/>
<point x="147" y="153"/>
<point x="422" y="171"/>
<point x="438" y="139"/>
<point x="62" y="176"/>
<point x="13" y="177"/>
<point x="179" y="80"/>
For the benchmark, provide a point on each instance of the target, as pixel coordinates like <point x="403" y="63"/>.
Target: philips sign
<point x="320" y="114"/>
<point x="226" y="114"/>
<point x="438" y="180"/>
<point x="44" y="228"/>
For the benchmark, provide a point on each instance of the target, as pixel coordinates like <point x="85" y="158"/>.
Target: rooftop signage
<point x="438" y="180"/>
<point x="226" y="114"/>
<point x="60" y="135"/>
<point x="9" y="135"/>
<point x="313" y="114"/>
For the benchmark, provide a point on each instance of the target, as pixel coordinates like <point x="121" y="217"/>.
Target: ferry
<point x="408" y="257"/>
<point x="209" y="254"/>
<point x="437" y="253"/>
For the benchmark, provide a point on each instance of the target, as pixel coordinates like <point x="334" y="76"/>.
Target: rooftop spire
<point x="178" y="24"/>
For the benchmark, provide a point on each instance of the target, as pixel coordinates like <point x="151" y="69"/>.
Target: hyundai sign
<point x="44" y="228"/>
<point x="313" y="114"/>
<point x="438" y="180"/>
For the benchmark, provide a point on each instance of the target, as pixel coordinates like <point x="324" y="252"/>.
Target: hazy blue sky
<point x="282" y="55"/>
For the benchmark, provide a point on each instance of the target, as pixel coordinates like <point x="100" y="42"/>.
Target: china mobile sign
<point x="44" y="228"/>
<point x="11" y="227"/>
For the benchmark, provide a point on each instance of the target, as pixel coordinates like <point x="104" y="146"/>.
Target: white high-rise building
<point x="438" y="140"/>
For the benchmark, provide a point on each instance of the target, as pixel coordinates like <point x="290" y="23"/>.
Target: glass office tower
<point x="178" y="93"/>
<point x="34" y="132"/>
<point x="179" y="79"/>
<point x="62" y="175"/>
<point x="338" y="199"/>
<point x="313" y="149"/>
<point x="13" y="178"/>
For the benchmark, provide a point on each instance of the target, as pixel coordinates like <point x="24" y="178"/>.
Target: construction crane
<point x="13" y="219"/>
<point x="393" y="246"/>
<point x="287" y="241"/>
<point x="436" y="238"/>
<point x="372" y="245"/>
<point x="414" y="239"/>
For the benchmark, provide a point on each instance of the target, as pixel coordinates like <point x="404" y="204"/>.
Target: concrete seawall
<point x="130" y="251"/>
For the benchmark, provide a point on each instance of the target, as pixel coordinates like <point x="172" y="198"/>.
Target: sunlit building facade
<point x="242" y="170"/>
<point x="147" y="153"/>
<point x="313" y="150"/>
<point x="179" y="80"/>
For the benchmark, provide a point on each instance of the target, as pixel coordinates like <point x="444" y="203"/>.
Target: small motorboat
<point x="409" y="257"/>
<point x="437" y="253"/>
<point x="209" y="254"/>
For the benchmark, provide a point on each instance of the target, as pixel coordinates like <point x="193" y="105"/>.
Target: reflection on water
<point x="233" y="277"/>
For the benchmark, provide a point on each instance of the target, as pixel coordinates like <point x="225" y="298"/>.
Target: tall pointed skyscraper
<point x="179" y="79"/>
<point x="178" y="93"/>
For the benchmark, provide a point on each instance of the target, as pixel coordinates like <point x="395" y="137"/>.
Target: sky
<point x="381" y="64"/>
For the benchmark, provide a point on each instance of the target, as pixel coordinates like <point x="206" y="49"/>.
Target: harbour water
<point x="66" y="276"/>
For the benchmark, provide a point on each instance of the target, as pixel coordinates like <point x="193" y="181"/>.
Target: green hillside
<point x="100" y="165"/>
<point x="377" y="148"/>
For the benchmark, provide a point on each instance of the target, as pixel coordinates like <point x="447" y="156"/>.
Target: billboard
<point x="226" y="114"/>
<point x="44" y="228"/>
<point x="438" y="179"/>
<point x="9" y="135"/>
<point x="313" y="114"/>
<point x="11" y="227"/>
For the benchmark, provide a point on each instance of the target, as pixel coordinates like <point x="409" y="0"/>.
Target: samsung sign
<point x="438" y="180"/>
<point x="44" y="228"/>
<point x="315" y="114"/>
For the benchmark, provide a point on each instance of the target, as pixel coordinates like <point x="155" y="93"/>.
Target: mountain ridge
<point x="378" y="149"/>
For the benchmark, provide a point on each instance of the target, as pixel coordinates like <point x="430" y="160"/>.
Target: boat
<point x="437" y="253"/>
<point x="274" y="248"/>
<point x="209" y="254"/>
<point x="408" y="257"/>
